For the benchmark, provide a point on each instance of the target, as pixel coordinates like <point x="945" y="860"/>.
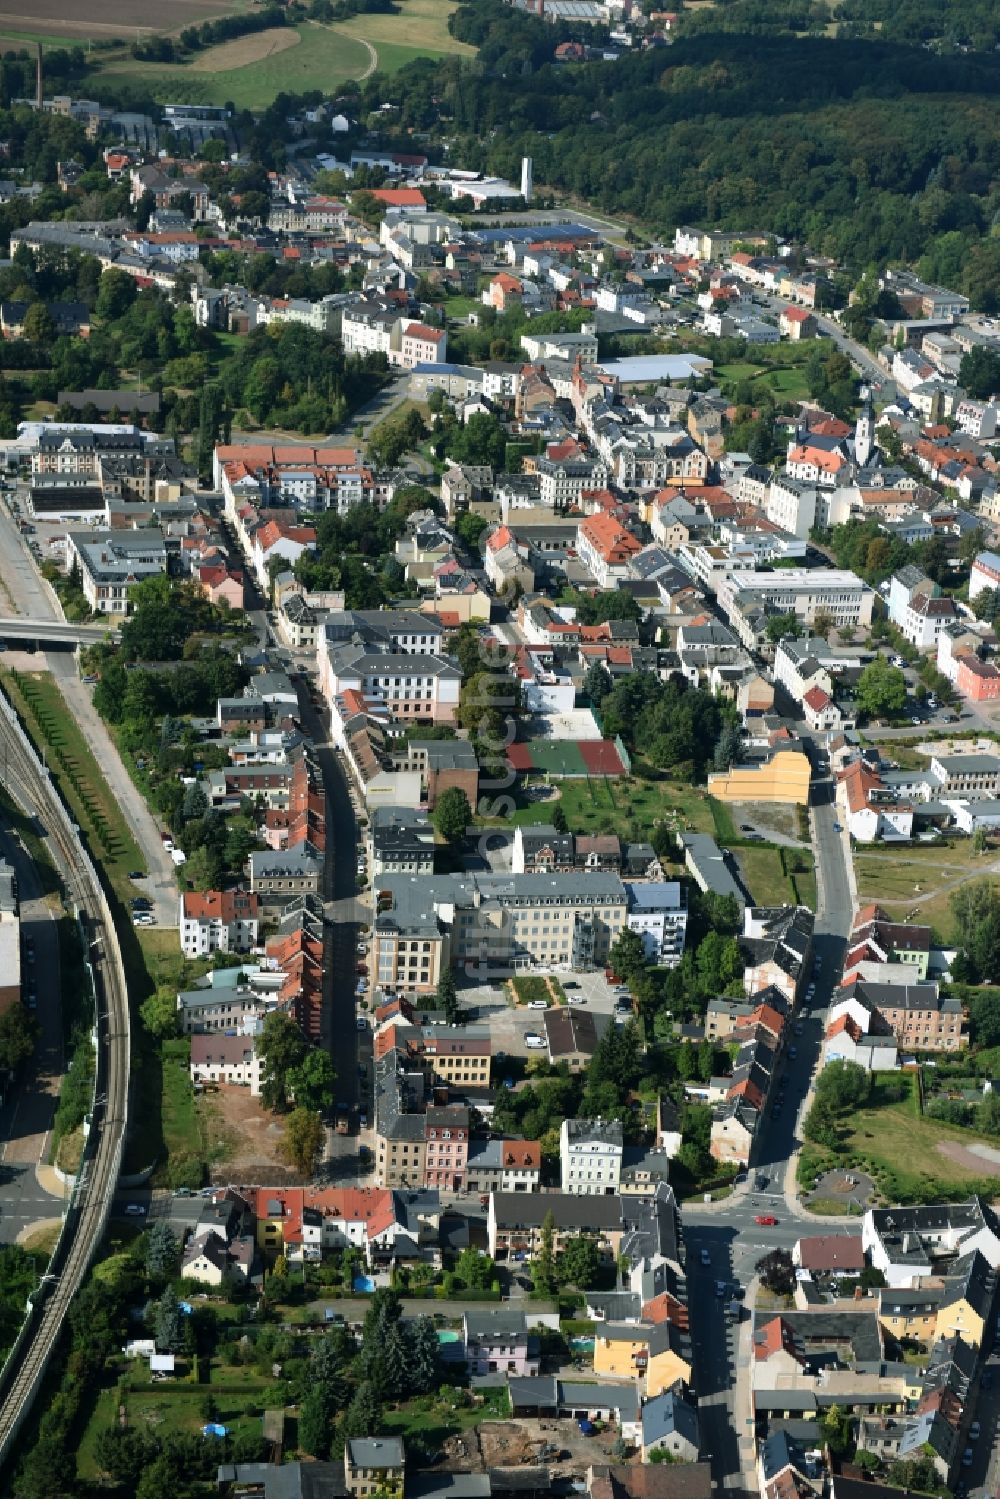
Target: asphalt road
<point x="349" y="1048"/>
<point x="865" y="362"/>
<point x="26" y="593"/>
<point x="727" y="1232"/>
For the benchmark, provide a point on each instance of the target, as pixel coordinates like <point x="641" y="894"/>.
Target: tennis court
<point x="569" y="758"/>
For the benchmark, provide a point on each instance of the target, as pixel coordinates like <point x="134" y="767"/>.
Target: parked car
<point x="706" y="1258"/>
<point x="533" y="1041"/>
<point x="538" y="1004"/>
<point x="135" y="1209"/>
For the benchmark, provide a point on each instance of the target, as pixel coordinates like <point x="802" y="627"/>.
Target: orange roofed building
<point x="302" y="1222"/>
<point x="606" y="548"/>
<point x="217" y="921"/>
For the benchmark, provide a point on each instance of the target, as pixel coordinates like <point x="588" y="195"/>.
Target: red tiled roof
<point x="219" y="905"/>
<point x="771" y="1338"/>
<point x="399" y="197"/>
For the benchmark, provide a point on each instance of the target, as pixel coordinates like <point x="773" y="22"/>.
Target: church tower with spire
<point x="864" y="432"/>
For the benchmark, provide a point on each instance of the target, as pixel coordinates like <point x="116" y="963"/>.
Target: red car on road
<point x="767" y="1220"/>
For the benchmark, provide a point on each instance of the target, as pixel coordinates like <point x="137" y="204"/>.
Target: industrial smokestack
<point x="39" y="86"/>
<point x="526" y="178"/>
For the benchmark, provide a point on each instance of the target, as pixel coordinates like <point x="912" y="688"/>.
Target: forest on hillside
<point x="870" y="150"/>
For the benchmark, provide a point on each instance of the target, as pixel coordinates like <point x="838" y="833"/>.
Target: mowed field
<point x="418" y="29"/>
<point x="249" y="71"/>
<point x="78" y="20"/>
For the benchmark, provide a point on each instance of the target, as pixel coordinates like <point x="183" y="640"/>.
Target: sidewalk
<point x="46" y="1178"/>
<point x="743" y="1391"/>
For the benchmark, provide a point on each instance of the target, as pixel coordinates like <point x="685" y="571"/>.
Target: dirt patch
<point x="79" y="19"/>
<point x="244" y="50"/>
<point x="531" y="1442"/>
<point x="975" y="1158"/>
<point x="243" y="1140"/>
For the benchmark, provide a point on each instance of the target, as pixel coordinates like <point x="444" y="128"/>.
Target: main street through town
<point x="727" y="1231"/>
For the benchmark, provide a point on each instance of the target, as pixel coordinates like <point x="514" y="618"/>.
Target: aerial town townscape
<point x="500" y="725"/>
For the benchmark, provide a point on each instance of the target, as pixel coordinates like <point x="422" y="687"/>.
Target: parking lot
<point x="490" y="1004"/>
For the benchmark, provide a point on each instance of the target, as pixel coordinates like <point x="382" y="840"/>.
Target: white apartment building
<point x="978" y="419"/>
<point x="804" y="592"/>
<point x="217" y="921"/>
<point x="562" y="483"/>
<point x="367" y="330"/>
<point x="419" y="344"/>
<point x="590" y="1157"/>
<point x="111" y="565"/>
<point x="984" y="575"/>
<point x="791" y="504"/>
<point x="918" y="608"/>
<point x="656" y="911"/>
<point x="231" y="1060"/>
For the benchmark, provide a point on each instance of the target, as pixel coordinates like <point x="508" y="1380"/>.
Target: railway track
<point x="86" y="1218"/>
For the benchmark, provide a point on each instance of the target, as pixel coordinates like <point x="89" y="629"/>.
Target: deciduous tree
<point x="303" y="1140"/>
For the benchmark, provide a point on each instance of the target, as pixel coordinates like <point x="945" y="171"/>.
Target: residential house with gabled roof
<point x="874" y="938"/>
<point x="658" y="1356"/>
<point x="829" y="1254"/>
<point x="670" y="1424"/>
<point x="503" y="1165"/>
<point x="873" y="810"/>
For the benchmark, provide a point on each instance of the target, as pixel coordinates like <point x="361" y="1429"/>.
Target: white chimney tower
<point x="526" y="178"/>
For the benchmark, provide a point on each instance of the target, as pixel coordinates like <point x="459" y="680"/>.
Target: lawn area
<point x="43" y="709"/>
<point x="181" y="1130"/>
<point x="241" y="1396"/>
<point x="631" y="807"/>
<point x="324" y="57"/>
<point x="530" y="987"/>
<point x="430" y="1419"/>
<point x="165" y="963"/>
<point x="900" y="1146"/>
<point x="773" y="877"/>
<point x="417" y="28"/>
<point x="915" y="882"/>
<point x="457" y="307"/>
<point x="778" y="368"/>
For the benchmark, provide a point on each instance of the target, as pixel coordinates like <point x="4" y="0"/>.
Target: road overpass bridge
<point x="52" y="634"/>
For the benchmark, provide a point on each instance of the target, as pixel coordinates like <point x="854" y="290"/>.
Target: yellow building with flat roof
<point x="782" y="778"/>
